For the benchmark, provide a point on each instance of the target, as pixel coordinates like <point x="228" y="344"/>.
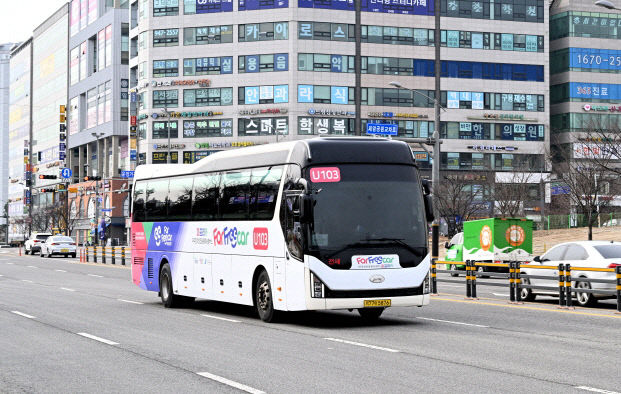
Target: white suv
<point x="33" y="244"/>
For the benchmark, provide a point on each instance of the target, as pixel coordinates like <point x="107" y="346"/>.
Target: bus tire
<point x="263" y="298"/>
<point x="370" y="315"/>
<point x="169" y="299"/>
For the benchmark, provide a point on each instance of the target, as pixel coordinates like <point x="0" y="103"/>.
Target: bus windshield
<point x="364" y="209"/>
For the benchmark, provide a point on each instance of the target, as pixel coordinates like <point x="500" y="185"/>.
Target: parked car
<point x="591" y="254"/>
<point x="33" y="244"/>
<point x="58" y="244"/>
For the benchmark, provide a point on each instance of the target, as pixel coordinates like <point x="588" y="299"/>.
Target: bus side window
<point x="138" y="212"/>
<point x="180" y="199"/>
<point x="264" y="185"/>
<point x="206" y="196"/>
<point x="235" y="195"/>
<point x="157" y="200"/>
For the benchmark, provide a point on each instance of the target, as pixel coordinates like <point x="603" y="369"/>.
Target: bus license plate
<point x="376" y="303"/>
<point x="64" y="251"/>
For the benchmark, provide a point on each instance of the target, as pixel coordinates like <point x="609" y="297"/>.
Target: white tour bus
<point x="325" y="223"/>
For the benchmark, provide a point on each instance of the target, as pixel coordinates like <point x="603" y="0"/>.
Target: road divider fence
<point x="103" y="254"/>
<point x="565" y="281"/>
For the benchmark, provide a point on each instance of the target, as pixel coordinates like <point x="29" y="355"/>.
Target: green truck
<point x="491" y="240"/>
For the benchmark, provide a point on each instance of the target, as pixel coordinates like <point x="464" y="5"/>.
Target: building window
<point x="207" y="97"/>
<point x="165" y="37"/>
<point x="263" y="63"/>
<point x="208" y="35"/>
<point x="165" y="7"/>
<point x="205" y="128"/>
<point x="160" y="130"/>
<point x="165" y="98"/>
<point x="165" y="68"/>
<point x="208" y="66"/>
<point x="265" y="94"/>
<point x="263" y="31"/>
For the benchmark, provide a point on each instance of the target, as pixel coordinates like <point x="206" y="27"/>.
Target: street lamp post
<point x="606" y="4"/>
<point x="97" y="136"/>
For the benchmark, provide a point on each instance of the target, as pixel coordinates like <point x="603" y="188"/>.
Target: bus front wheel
<point x="263" y="298"/>
<point x="169" y="299"/>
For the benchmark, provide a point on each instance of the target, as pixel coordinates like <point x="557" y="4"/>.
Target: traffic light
<point x="48" y="176"/>
<point x="47" y="190"/>
<point x="92" y="178"/>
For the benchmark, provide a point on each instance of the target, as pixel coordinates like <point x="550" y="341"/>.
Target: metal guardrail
<point x="564" y="279"/>
<point x="102" y="253"/>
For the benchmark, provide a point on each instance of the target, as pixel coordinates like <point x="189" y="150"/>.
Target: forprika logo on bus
<point x="230" y="236"/>
<point x="375" y="261"/>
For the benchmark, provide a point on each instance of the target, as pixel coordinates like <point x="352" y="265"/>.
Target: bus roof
<point x="313" y="151"/>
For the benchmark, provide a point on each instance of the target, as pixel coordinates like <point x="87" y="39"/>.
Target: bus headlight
<point x="426" y="284"/>
<point x="316" y="287"/>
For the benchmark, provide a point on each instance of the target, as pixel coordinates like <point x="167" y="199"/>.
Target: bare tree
<point x="510" y="191"/>
<point x="457" y="199"/>
<point x="585" y="169"/>
<point x="607" y="138"/>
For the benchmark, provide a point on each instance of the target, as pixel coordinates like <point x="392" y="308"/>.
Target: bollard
<point x="122" y="255"/>
<point x="511" y="282"/>
<point x="468" y="280"/>
<point x="568" y="291"/>
<point x="94" y="254"/>
<point x="618" y="272"/>
<point x="518" y="283"/>
<point x="473" y="281"/>
<point x="86" y="250"/>
<point x="113" y="255"/>
<point x="435" y="240"/>
<point x="561" y="285"/>
<point x="103" y="255"/>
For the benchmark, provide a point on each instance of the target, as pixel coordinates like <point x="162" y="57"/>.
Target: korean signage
<point x="193" y="114"/>
<point x="412" y="7"/>
<point x="492" y="148"/>
<point x="396" y="115"/>
<point x="266" y="94"/>
<point x="263" y="126"/>
<point x="212" y="145"/>
<point x="193" y="157"/>
<point x="338" y="94"/>
<point x="162" y="157"/>
<point x="263" y="111"/>
<point x="454" y="99"/>
<point x="330" y="112"/>
<point x="316" y="126"/>
<point x="208" y="128"/>
<point x="204" y="83"/>
<point x="209" y="6"/>
<point x="602" y="91"/>
<point x="252" y="63"/>
<point x="602" y="108"/>
<point x="590" y="58"/>
<point x="382" y="129"/>
<point x="522" y="132"/>
<point x="165" y="146"/>
<point x="592" y="150"/>
<point x="247" y="5"/>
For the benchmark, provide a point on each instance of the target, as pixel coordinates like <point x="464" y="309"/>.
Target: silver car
<point x="58" y="244"/>
<point x="580" y="254"/>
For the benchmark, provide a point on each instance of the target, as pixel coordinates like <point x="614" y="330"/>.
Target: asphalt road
<point x="71" y="327"/>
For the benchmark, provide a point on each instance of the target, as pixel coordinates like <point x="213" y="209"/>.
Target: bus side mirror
<point x="446" y="245"/>
<point x="306" y="208"/>
<point x="429" y="208"/>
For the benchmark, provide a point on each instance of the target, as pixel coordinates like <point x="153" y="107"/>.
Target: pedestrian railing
<point x="104" y="254"/>
<point x="569" y="280"/>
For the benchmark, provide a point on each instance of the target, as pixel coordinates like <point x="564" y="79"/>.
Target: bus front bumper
<point x="355" y="303"/>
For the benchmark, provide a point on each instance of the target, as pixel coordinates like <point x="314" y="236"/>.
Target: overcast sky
<point x="20" y="17"/>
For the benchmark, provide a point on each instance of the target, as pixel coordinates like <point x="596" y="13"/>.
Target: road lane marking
<point x="27" y="281"/>
<point x="229" y="382"/>
<point x="596" y="390"/>
<point x="452" y="322"/>
<point x="23" y="314"/>
<point x="501" y="295"/>
<point x="60" y="270"/>
<point x="66" y="288"/>
<point x="527" y="307"/>
<point x="362" y="345"/>
<point x="95" y="276"/>
<point x="222" y="318"/>
<point x="102" y="340"/>
<point x="32" y="266"/>
<point x="1" y="275"/>
<point x="10" y="263"/>
<point x="130" y="302"/>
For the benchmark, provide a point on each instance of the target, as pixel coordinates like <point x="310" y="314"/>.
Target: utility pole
<point x="97" y="178"/>
<point x="358" y="68"/>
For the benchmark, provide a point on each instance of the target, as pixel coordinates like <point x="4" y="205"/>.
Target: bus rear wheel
<point x="169" y="299"/>
<point x="370" y="315"/>
<point x="264" y="298"/>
